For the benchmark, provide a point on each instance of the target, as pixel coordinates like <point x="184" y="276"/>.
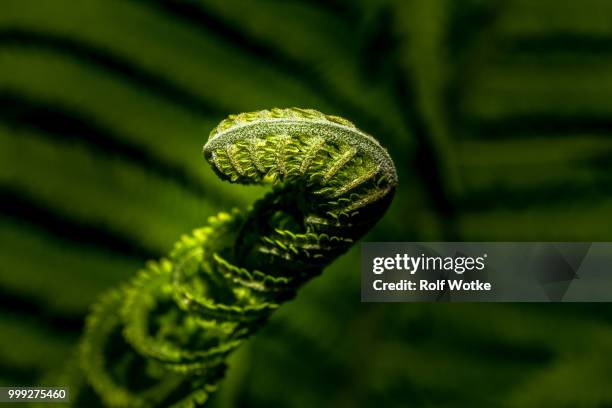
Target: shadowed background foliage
<point x="498" y="114"/>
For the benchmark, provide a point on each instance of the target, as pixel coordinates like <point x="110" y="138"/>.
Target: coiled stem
<point x="162" y="339"/>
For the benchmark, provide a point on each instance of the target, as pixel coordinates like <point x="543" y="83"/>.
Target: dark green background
<point x="498" y="115"/>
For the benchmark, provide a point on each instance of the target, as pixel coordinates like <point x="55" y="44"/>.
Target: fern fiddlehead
<point x="162" y="339"/>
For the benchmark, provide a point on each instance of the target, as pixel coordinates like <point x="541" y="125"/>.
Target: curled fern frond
<point x="162" y="340"/>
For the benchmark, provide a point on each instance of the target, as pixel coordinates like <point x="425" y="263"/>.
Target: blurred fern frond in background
<point x="496" y="113"/>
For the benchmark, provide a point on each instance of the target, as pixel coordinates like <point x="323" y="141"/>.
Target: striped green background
<point x="498" y="114"/>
